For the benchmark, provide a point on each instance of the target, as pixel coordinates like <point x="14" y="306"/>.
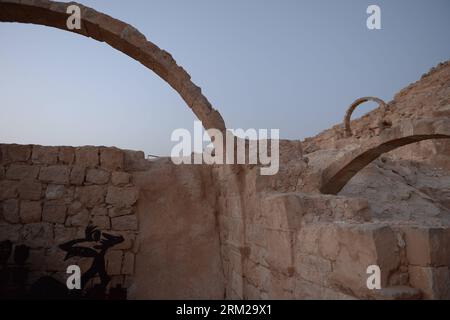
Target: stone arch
<point x="122" y="37"/>
<point x="348" y="114"/>
<point x="336" y="176"/>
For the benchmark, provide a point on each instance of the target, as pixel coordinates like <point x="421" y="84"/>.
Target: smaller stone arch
<point x="339" y="173"/>
<point x="351" y="109"/>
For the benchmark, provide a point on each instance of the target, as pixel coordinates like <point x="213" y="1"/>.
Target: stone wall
<point x="49" y="195"/>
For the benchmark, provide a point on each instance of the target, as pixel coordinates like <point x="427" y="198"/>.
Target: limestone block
<point x="118" y="212"/>
<point x="125" y="223"/>
<point x="55" y="192"/>
<point x="54" y="212"/>
<point x="18" y="153"/>
<point x="10" y="232"/>
<point x="37" y="235"/>
<point x="112" y="159"/>
<point x="128" y="263"/>
<point x="10" y="210"/>
<point x="44" y="155"/>
<point x="87" y="157"/>
<point x="77" y="175"/>
<point x="102" y="222"/>
<point x="64" y="234"/>
<point x="114" y="262"/>
<point x="97" y="176"/>
<point x="80" y="219"/>
<point x="120" y="178"/>
<point x="30" y="211"/>
<point x="8" y="189"/>
<point x="433" y="282"/>
<point x="313" y="268"/>
<point x="22" y="171"/>
<point x="91" y="196"/>
<point x="55" y="174"/>
<point x="427" y="246"/>
<point x="99" y="211"/>
<point x="122" y="197"/>
<point x="30" y="190"/>
<point x="66" y="155"/>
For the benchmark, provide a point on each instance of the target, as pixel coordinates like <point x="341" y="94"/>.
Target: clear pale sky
<point x="292" y="65"/>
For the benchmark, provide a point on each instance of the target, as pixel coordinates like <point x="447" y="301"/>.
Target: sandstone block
<point x="11" y="211"/>
<point x="22" y="171"/>
<point x="111" y="159"/>
<point x="87" y="157"/>
<point x="8" y="189"/>
<point x="125" y="223"/>
<point x="91" y="196"/>
<point x="44" y="155"/>
<point x="30" y="190"/>
<point x="30" y="211"/>
<point x="120" y="178"/>
<point x="55" y="174"/>
<point x="54" y="212"/>
<point x="122" y="197"/>
<point x="77" y="175"/>
<point x="97" y="176"/>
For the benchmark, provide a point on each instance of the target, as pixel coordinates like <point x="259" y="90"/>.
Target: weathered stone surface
<point x="91" y="196"/>
<point x="79" y="219"/>
<point x="428" y="246"/>
<point x="54" y="212"/>
<point x="102" y="222"/>
<point x="97" y="176"/>
<point x="118" y="212"/>
<point x="22" y="171"/>
<point x="120" y="178"/>
<point x="77" y="175"/>
<point x="18" y="153"/>
<point x="111" y="159"/>
<point x="55" y="174"/>
<point x="55" y="192"/>
<point x="37" y="235"/>
<point x="128" y="263"/>
<point x="66" y="155"/>
<point x="2" y="172"/>
<point x="74" y="207"/>
<point x="8" y="189"/>
<point x="64" y="234"/>
<point x="87" y="157"/>
<point x="99" y="211"/>
<point x="9" y="232"/>
<point x="44" y="155"/>
<point x="30" y="211"/>
<point x="30" y="190"/>
<point x="113" y="262"/>
<point x="124" y="223"/>
<point x="11" y="211"/>
<point x="122" y="197"/>
<point x="433" y="282"/>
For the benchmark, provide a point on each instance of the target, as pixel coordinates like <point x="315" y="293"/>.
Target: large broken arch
<point x="122" y="37"/>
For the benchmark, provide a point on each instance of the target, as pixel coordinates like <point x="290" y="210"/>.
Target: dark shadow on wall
<point x="14" y="276"/>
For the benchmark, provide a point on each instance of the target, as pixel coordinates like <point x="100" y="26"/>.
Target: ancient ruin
<point x="373" y="191"/>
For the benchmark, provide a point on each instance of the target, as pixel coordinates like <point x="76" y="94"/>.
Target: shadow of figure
<point x="104" y="242"/>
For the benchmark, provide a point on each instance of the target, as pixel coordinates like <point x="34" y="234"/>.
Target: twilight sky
<point x="294" y="65"/>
